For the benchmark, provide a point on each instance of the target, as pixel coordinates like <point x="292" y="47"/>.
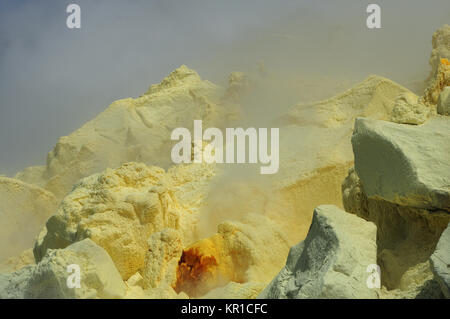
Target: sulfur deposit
<point x="132" y="130"/>
<point x="119" y="210"/>
<point x="363" y="182"/>
<point x="248" y="251"/>
<point x="24" y="208"/>
<point x="443" y="104"/>
<point x="441" y="49"/>
<point x="311" y="172"/>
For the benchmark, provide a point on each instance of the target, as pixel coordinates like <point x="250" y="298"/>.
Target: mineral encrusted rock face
<point x="251" y="250"/>
<point x="331" y="262"/>
<point x="119" y="210"/>
<point x="405" y="165"/>
<point x="441" y="49"/>
<point x="409" y="109"/>
<point x="161" y="259"/>
<point x="48" y="279"/>
<point x="440" y="262"/>
<point x="442" y="79"/>
<point x="400" y="182"/>
<point x="406" y="237"/>
<point x="443" y="106"/>
<point x="24" y="208"/>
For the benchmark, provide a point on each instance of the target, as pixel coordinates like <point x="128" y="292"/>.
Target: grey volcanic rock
<point x="440" y="262"/>
<point x="404" y="164"/>
<point x="48" y="279"/>
<point x="331" y="262"/>
<point x="443" y="105"/>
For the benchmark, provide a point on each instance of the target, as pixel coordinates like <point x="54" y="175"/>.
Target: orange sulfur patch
<point x="203" y="266"/>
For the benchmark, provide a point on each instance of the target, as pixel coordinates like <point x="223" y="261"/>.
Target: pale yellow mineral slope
<point x="17" y="262"/>
<point x="133" y="130"/>
<point x="316" y="152"/>
<point x="24" y="208"/>
<point x="315" y="155"/>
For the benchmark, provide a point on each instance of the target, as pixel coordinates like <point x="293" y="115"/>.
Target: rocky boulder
<point x="443" y="106"/>
<point x="119" y="210"/>
<point x="404" y="164"/>
<point x="440" y="262"/>
<point x="409" y="110"/>
<point x="331" y="262"/>
<point x="400" y="183"/>
<point x="51" y="276"/>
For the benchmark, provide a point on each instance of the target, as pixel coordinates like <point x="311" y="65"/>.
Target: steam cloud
<point x="54" y="79"/>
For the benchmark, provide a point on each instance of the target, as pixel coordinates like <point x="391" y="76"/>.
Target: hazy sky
<point x="53" y="79"/>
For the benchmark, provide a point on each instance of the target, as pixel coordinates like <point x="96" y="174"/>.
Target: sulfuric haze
<point x="54" y="79"/>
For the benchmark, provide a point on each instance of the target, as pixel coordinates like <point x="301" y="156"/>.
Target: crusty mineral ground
<point x="363" y="180"/>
